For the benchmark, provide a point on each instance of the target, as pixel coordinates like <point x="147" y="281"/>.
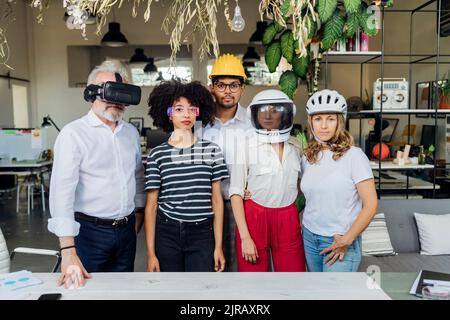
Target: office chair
<point x="5" y="258"/>
<point x="155" y="137"/>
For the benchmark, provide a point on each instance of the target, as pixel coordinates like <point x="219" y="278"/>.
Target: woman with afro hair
<point x="184" y="211"/>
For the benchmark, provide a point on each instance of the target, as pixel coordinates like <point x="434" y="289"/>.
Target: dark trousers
<point x="229" y="237"/>
<point x="184" y="246"/>
<point x="107" y="248"/>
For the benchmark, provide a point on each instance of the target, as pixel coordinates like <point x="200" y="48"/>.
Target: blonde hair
<point x="341" y="141"/>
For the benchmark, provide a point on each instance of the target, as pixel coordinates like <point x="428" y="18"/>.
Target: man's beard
<point x="228" y="105"/>
<point x="109" y="116"/>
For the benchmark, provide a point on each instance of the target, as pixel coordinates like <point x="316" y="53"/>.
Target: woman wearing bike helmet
<point x="268" y="168"/>
<point x="339" y="188"/>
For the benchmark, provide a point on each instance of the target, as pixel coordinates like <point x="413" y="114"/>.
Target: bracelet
<point x="68" y="247"/>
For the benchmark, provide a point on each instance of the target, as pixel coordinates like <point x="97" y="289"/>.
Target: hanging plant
<point x="302" y="30"/>
<point x="311" y="22"/>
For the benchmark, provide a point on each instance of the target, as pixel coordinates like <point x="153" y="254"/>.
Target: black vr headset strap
<point x="91" y="92"/>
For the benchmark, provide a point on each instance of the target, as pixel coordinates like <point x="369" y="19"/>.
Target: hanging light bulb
<point x="238" y="22"/>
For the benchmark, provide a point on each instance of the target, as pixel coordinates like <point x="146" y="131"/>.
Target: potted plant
<point x="444" y="92"/>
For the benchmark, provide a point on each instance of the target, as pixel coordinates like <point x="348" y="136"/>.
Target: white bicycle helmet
<point x="326" y="101"/>
<point x="272" y="115"/>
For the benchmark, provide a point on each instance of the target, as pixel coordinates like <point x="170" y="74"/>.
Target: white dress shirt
<point x="95" y="171"/>
<point x="271" y="182"/>
<point x="229" y="136"/>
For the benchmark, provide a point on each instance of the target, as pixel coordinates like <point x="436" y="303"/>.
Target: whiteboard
<point x="23" y="144"/>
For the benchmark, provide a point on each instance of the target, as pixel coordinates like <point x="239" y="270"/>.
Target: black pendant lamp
<point x="114" y="38"/>
<point x="150" y="66"/>
<point x="138" y="56"/>
<point x="257" y="36"/>
<point x="251" y="55"/>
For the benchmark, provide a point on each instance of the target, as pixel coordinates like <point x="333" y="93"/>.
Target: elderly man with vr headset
<point x="97" y="184"/>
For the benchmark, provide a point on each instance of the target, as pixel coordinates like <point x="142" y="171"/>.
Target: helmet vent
<point x="336" y="100"/>
<point x="320" y="99"/>
<point x="328" y="99"/>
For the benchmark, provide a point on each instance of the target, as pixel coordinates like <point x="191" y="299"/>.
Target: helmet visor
<point x="272" y="116"/>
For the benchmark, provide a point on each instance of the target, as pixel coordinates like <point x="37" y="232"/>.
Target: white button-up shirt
<point x="96" y="171"/>
<point x="272" y="183"/>
<point x="229" y="136"/>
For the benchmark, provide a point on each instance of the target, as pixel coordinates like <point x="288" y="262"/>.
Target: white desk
<point x="25" y="167"/>
<point x="212" y="286"/>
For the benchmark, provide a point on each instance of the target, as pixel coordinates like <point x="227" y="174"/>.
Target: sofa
<point x="402" y="229"/>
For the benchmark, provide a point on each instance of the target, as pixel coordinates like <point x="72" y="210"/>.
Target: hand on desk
<point x="73" y="274"/>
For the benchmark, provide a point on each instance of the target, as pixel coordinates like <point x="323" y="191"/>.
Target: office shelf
<point x="403" y="111"/>
<point x="389" y="165"/>
<point x="350" y="57"/>
<point x="382" y="58"/>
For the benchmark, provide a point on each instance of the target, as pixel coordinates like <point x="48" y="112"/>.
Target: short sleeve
<point x="360" y="166"/>
<point x="152" y="173"/>
<point x="219" y="169"/>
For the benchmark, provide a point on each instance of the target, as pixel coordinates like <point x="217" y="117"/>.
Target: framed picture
<point x="423" y="100"/>
<point x="388" y="132"/>
<point x="138" y="123"/>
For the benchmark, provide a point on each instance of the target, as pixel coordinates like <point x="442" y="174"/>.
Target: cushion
<point x="375" y="239"/>
<point x="434" y="235"/>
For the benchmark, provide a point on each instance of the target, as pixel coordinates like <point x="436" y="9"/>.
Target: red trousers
<point x="277" y="229"/>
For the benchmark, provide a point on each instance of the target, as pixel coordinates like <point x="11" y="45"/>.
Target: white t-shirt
<point x="332" y="200"/>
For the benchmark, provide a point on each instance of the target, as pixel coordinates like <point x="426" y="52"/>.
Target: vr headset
<point x="115" y="92"/>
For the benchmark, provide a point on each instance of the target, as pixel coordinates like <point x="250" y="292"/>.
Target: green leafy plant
<point x="444" y="85"/>
<point x="302" y="30"/>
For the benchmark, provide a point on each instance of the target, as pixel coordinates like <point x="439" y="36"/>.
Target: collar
<point x="93" y="120"/>
<point x="240" y="115"/>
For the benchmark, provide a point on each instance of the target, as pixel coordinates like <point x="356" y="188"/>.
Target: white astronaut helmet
<point x="272" y="115"/>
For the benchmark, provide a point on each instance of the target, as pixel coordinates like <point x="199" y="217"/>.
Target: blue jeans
<point x="184" y="246"/>
<point x="315" y="243"/>
<point x="105" y="248"/>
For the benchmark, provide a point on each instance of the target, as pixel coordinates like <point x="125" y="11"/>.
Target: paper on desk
<point x="415" y="284"/>
<point x="36" y="139"/>
<point x="17" y="280"/>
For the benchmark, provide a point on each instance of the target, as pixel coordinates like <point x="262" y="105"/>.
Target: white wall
<point x="18" y="45"/>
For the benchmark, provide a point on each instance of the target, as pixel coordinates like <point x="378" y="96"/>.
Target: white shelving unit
<point x="389" y="165"/>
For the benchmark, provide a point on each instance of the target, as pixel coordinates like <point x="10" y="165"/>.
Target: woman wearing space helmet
<point x="269" y="168"/>
<point x="339" y="188"/>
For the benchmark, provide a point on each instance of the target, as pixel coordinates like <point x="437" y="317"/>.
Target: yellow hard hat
<point x="228" y="65"/>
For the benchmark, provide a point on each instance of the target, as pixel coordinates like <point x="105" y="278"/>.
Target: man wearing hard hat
<point x="230" y="128"/>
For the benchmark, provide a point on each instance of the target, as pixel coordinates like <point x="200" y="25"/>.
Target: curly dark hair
<point x="165" y="94"/>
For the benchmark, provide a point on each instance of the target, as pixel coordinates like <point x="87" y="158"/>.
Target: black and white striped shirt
<point x="184" y="178"/>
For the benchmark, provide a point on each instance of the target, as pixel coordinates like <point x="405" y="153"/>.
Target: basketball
<point x="384" y="151"/>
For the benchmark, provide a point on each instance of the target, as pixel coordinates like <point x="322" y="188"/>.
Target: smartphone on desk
<point x="50" y="296"/>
